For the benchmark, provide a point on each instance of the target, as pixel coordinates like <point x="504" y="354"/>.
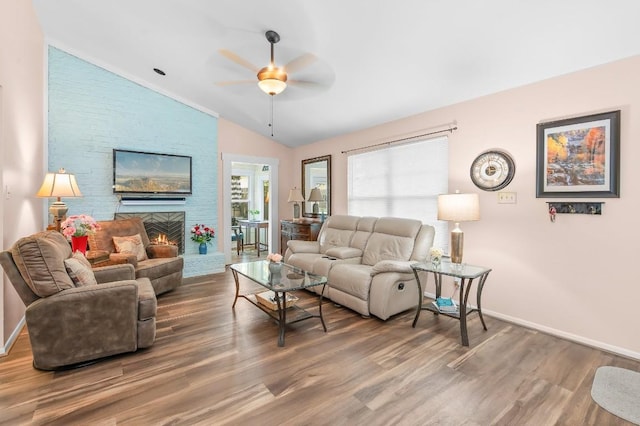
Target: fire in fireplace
<point x="162" y="239"/>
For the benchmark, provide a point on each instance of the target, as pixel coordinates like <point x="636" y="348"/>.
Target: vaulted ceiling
<point x="353" y="63"/>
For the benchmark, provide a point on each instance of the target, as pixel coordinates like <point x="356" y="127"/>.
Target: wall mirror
<point x="316" y="186"/>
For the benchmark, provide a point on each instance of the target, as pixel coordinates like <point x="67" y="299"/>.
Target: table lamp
<point x="60" y="184"/>
<point x="295" y="197"/>
<point x="315" y="196"/>
<point x="458" y="208"/>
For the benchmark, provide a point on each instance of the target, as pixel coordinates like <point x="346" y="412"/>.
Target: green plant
<point x="254" y="212"/>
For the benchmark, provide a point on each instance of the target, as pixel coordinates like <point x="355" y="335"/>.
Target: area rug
<point x="617" y="390"/>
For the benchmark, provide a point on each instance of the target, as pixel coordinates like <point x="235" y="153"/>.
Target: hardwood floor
<point x="214" y="365"/>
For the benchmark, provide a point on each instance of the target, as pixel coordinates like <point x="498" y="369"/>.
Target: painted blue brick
<point x="92" y="111"/>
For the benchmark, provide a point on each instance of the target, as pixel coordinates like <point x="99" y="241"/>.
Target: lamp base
<point x="296" y="211"/>
<point x="457" y="241"/>
<point x="316" y="208"/>
<point x="58" y="209"/>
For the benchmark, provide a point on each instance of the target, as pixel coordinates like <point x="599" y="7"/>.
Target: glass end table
<point x="467" y="274"/>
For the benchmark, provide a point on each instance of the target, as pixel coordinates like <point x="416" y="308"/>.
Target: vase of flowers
<point x="202" y="235"/>
<point x="77" y="228"/>
<point x="435" y="256"/>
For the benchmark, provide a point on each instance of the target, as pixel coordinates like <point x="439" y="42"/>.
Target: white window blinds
<point x="401" y="181"/>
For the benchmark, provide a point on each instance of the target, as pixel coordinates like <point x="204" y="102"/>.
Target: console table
<point x="298" y="229"/>
<point x="467" y="275"/>
<point x="257" y="225"/>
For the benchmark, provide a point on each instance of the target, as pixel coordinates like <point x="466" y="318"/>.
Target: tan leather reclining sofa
<point x="367" y="261"/>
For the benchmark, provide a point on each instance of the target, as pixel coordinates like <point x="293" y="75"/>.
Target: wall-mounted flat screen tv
<point x="136" y="172"/>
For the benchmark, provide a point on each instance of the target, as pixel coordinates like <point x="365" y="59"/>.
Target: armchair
<point x="161" y="264"/>
<point x="72" y="323"/>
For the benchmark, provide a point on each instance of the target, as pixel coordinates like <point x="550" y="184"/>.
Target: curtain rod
<point x="450" y="129"/>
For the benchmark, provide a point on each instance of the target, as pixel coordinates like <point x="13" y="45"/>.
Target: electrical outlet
<point x="507" y="198"/>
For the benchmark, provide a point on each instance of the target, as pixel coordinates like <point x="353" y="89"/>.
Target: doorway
<point x="250" y="186"/>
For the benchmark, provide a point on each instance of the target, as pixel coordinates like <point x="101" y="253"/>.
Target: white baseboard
<point x="564" y="335"/>
<point x="4" y="350"/>
<point x="558" y="333"/>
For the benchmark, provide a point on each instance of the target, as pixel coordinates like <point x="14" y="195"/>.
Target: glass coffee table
<point x="278" y="283"/>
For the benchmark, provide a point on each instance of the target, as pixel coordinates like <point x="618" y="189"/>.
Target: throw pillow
<point x="131" y="245"/>
<point x="79" y="269"/>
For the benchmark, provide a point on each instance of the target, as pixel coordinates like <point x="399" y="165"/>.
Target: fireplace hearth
<point x="169" y="225"/>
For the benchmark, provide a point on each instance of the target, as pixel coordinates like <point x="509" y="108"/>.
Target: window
<point x="402" y="181"/>
<point x="239" y="197"/>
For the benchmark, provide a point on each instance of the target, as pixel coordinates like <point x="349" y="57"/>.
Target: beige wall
<point x="21" y="127"/>
<point x="573" y="277"/>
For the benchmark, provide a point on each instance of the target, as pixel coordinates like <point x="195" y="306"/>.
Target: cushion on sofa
<point x="131" y="244"/>
<point x="79" y="269"/>
<point x="103" y="239"/>
<point x="344" y="252"/>
<point x="337" y="231"/>
<point x="363" y="232"/>
<point x="352" y="279"/>
<point x="424" y="241"/>
<point x="392" y="239"/>
<point x="40" y="260"/>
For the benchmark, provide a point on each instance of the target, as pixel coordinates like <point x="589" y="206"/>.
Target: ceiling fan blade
<point x="307" y="84"/>
<point x="238" y="60"/>
<point x="300" y="62"/>
<point x="234" y="82"/>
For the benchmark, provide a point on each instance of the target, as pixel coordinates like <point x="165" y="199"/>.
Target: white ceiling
<point x="376" y="60"/>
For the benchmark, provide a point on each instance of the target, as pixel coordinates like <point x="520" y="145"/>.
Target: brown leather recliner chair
<point x="70" y="324"/>
<point x="163" y="266"/>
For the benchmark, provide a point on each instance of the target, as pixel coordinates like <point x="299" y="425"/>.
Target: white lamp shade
<point x="315" y="195"/>
<point x="458" y="207"/>
<point x="295" y="196"/>
<point x="60" y="184"/>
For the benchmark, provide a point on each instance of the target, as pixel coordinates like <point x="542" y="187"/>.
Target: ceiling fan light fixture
<point x="272" y="81"/>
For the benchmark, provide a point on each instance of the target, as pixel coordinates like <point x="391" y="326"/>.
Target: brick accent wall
<point x="92" y="110"/>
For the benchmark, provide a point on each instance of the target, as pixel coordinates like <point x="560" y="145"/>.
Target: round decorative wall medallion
<point x="492" y="170"/>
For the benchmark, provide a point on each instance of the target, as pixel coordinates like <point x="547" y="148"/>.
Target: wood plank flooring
<point x="211" y="365"/>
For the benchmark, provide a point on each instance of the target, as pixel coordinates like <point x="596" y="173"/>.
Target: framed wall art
<point x="579" y="157"/>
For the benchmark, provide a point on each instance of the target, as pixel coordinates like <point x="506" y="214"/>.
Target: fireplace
<point x="158" y="224"/>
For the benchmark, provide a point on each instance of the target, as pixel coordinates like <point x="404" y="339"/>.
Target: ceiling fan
<point x="272" y="79"/>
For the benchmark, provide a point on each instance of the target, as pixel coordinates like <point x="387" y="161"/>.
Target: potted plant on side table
<point x="77" y="228"/>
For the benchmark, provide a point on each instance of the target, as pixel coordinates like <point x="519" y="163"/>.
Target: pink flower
<point x="79" y="225"/>
<point x="202" y="234"/>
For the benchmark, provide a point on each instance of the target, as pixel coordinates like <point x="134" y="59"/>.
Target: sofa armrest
<point x="401" y="266"/>
<point x="83" y="323"/>
<point x="300" y="246"/>
<point x="156" y="251"/>
<point x="106" y="274"/>
<point x="120" y="258"/>
<point x="344" y="252"/>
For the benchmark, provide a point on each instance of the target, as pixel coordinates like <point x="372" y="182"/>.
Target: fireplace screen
<point x="162" y="227"/>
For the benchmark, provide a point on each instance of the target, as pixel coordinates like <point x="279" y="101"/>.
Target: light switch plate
<point x="507" y="198"/>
